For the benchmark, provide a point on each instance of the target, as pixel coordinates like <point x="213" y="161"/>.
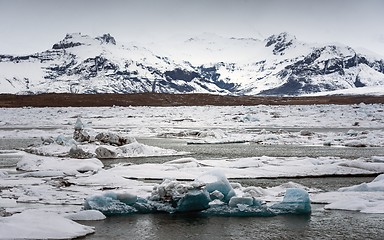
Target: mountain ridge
<point x="277" y="65"/>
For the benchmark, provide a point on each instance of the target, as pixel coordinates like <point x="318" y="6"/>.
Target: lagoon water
<point x="321" y="224"/>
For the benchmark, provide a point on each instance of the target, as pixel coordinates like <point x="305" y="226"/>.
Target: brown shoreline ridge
<point x="165" y="99"/>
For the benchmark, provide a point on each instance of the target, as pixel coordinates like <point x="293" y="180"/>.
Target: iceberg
<point x="109" y="204"/>
<point x="87" y="215"/>
<point x="38" y="224"/>
<point x="216" y="181"/>
<point x="295" y="201"/>
<point x="209" y="194"/>
<point x="364" y="197"/>
<point x="195" y="200"/>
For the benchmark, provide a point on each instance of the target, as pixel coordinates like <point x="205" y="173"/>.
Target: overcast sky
<point x="28" y="26"/>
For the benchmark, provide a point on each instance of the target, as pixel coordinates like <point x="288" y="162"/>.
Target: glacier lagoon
<point x="245" y="164"/>
<point x="321" y="224"/>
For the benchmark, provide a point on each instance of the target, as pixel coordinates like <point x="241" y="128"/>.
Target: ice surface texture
<point x="210" y="194"/>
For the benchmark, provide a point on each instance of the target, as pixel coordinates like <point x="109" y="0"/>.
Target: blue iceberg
<point x="195" y="200"/>
<point x="108" y="204"/>
<point x="296" y="201"/>
<point x="210" y="194"/>
<point x="216" y="183"/>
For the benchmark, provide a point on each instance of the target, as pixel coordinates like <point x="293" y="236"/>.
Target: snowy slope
<point x="278" y="65"/>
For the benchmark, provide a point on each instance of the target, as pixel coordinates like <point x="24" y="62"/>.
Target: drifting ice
<point x="210" y="194"/>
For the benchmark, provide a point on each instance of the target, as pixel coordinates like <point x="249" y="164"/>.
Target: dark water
<point x="320" y="183"/>
<point x="321" y="224"/>
<point x="240" y="150"/>
<point x="16" y="143"/>
<point x="237" y="150"/>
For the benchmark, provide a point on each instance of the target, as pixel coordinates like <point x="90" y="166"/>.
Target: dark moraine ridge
<point x="162" y="99"/>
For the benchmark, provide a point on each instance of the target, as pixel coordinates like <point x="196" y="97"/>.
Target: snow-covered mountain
<point x="278" y="65"/>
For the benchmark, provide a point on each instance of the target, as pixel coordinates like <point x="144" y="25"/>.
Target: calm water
<point x="321" y="224"/>
<point x="239" y="150"/>
<point x="236" y="150"/>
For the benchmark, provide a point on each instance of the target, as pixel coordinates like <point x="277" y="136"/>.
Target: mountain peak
<point x="106" y="38"/>
<point x="77" y="39"/>
<point x="280" y="42"/>
<point x="70" y="40"/>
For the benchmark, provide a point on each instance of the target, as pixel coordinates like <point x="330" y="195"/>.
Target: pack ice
<point x="209" y="194"/>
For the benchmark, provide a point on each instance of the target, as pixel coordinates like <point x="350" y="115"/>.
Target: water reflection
<point x="321" y="224"/>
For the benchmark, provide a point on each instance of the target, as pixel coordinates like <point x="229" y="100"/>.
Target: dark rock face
<point x="280" y="43"/>
<point x="107" y="38"/>
<point x="67" y="42"/>
<point x="180" y="74"/>
<point x="66" y="45"/>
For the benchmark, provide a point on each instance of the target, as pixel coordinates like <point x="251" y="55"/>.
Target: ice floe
<point x="34" y="224"/>
<point x="364" y="197"/>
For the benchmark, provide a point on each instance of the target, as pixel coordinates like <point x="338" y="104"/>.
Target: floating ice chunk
<point x="184" y="163"/>
<point x="364" y="197"/>
<point x="235" y="201"/>
<point x="31" y="162"/>
<point x="86" y="215"/>
<point x="352" y="133"/>
<point x="214" y="133"/>
<point x="127" y="198"/>
<point x="7" y="202"/>
<point x="354" y="204"/>
<point x="377" y="185"/>
<point x="61" y="140"/>
<point x="355" y="143"/>
<point x="306" y="133"/>
<point x="114" y="138"/>
<point x="183" y="196"/>
<point x="34" y="224"/>
<point x="174" y="196"/>
<point x="377" y="159"/>
<point x="47" y="141"/>
<point x="194" y="200"/>
<point x="296" y="201"/>
<point x="78" y="152"/>
<point x="250" y="118"/>
<point x="79" y="124"/>
<point x="105" y="152"/>
<point x="216" y="195"/>
<point x="379" y="178"/>
<point x="216" y="181"/>
<point x="170" y="196"/>
<point x="108" y="204"/>
<point x="136" y="149"/>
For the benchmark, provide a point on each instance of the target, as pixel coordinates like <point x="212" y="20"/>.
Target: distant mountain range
<point x="278" y="65"/>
